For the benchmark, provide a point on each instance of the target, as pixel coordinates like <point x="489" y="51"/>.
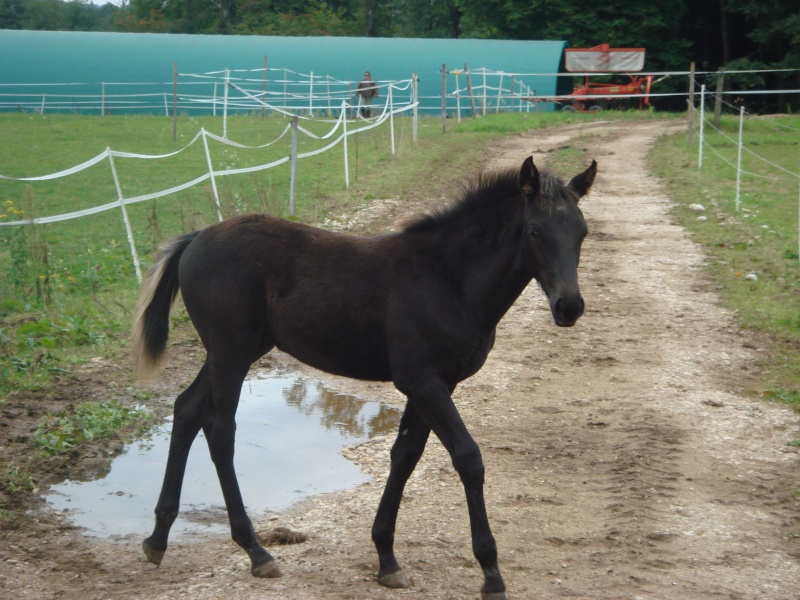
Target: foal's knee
<point x="221" y="440"/>
<point x="468" y="463"/>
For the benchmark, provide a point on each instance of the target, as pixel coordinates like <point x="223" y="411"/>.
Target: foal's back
<point x="320" y="296"/>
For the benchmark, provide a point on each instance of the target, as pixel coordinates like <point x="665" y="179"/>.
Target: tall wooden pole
<point x="444" y="98"/>
<point x="469" y="90"/>
<point x="718" y="98"/>
<point x="690" y="106"/>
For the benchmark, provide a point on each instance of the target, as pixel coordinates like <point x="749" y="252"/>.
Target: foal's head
<point x="555" y="231"/>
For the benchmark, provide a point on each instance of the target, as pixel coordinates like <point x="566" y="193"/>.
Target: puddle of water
<point x="288" y="437"/>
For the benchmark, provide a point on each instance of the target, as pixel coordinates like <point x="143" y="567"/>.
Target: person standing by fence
<point x="367" y="89"/>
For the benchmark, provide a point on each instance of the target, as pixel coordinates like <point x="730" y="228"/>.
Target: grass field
<point x="753" y="251"/>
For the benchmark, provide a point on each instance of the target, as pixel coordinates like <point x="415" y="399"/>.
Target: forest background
<point x="729" y="34"/>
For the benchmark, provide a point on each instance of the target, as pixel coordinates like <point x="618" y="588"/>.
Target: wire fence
<point x="775" y="172"/>
<point x="309" y="97"/>
<point x="475" y="92"/>
<point x="348" y="115"/>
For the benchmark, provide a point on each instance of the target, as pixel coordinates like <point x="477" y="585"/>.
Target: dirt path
<point x="620" y="463"/>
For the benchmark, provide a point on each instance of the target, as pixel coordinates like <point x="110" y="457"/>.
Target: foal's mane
<point x="486" y="192"/>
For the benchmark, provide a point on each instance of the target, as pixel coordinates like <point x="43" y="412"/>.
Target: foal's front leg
<point x="432" y="401"/>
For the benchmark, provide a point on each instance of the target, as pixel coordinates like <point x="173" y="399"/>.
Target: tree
<point x="422" y="19"/>
<point x="268" y="17"/>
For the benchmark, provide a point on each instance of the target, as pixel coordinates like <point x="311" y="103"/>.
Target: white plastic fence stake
<point x="391" y="117"/>
<point x="102" y="99"/>
<point x="225" y="107"/>
<point x="128" y="230"/>
<point x="166" y="105"/>
<point x="458" y="99"/>
<point x="285" y="99"/>
<point x="499" y="94"/>
<point x="328" y="83"/>
<point x="41" y="110"/>
<point x="702" y="123"/>
<point x="293" y="162"/>
<point x="311" y="94"/>
<point x="214" y="104"/>
<point x="483" y="112"/>
<point x="344" y="128"/>
<point x="211" y="174"/>
<point x="739" y="158"/>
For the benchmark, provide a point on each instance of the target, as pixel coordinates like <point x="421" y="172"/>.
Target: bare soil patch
<point x="623" y="458"/>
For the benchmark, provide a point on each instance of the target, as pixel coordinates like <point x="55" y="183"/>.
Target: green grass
<point x="759" y="238"/>
<point x="57" y="434"/>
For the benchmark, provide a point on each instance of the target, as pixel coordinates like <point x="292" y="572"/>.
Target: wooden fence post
<point x="718" y="98"/>
<point x="444" y="98"/>
<point x="469" y="90"/>
<point x="690" y="105"/>
<point x="415" y="110"/>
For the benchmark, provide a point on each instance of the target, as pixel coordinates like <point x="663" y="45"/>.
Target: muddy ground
<point x="623" y="457"/>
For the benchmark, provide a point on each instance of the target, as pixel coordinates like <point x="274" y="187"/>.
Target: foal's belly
<point x="347" y="357"/>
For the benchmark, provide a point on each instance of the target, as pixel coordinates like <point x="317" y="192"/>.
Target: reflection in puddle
<point x="288" y="437"/>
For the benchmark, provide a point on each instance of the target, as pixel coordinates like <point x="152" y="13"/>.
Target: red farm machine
<point x="602" y="59"/>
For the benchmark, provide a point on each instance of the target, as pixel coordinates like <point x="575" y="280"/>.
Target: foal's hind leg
<point x="406" y="452"/>
<point x="189" y="409"/>
<point x="220" y="430"/>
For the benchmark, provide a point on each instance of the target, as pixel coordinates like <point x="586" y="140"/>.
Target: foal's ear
<point x="581" y="184"/>
<point x="529" y="178"/>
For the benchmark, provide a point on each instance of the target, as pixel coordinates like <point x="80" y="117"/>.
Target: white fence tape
<point x="387" y="113"/>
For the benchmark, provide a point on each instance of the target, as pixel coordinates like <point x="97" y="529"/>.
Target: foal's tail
<point x="151" y="324"/>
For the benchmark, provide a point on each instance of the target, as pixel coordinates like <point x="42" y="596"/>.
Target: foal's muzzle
<point x="567" y="310"/>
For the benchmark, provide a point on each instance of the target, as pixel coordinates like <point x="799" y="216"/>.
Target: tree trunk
<point x="455" y="15"/>
<point x="371" y="8"/>
<point x="723" y="31"/>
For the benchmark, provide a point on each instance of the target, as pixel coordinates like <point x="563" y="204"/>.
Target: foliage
<point x="710" y="32"/>
<point x="57" y="15"/>
<point x="774" y="29"/>
<point x="315" y="18"/>
<point x="14" y="479"/>
<point x="57" y="434"/>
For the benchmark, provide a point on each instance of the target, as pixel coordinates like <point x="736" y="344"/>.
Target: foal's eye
<point x="534" y="233"/>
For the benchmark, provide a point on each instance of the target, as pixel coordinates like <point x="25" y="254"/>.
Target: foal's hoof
<point x="393" y="580"/>
<point x="494" y="596"/>
<point x="153" y="555"/>
<point x="268" y="569"/>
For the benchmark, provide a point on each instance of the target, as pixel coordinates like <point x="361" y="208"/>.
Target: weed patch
<point x="57" y="434"/>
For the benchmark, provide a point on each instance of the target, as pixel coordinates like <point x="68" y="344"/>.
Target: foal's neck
<point x="490" y="258"/>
